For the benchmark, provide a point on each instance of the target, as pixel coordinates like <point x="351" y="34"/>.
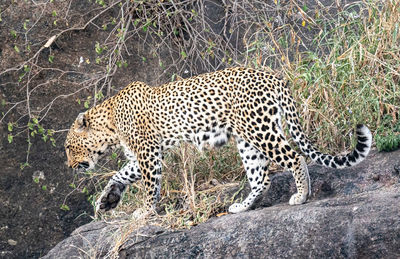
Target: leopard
<point x="206" y="110"/>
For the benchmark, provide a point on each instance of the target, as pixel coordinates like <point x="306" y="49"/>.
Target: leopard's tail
<point x="364" y="137"/>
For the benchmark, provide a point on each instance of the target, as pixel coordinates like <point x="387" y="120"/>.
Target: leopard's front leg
<point x="150" y="163"/>
<point x="112" y="193"/>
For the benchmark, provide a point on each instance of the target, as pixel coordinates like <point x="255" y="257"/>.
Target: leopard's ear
<point x="82" y="123"/>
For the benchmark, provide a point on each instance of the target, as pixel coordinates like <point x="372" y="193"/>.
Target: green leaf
<point x="64" y="207"/>
<point x="113" y="155"/>
<point x="99" y="95"/>
<point x="44" y="188"/>
<point x="21" y="76"/>
<point x="16" y="48"/>
<point x="13" y="33"/>
<point x="40" y="129"/>
<point x="101" y="2"/>
<point x="10" y="127"/>
<point x="98" y="48"/>
<point x="26" y="25"/>
<point x="183" y="53"/>
<point x="10" y="138"/>
<point x="85" y="191"/>
<point x="22" y="166"/>
<point x="146" y="26"/>
<point x="36" y="179"/>
<point x="51" y="58"/>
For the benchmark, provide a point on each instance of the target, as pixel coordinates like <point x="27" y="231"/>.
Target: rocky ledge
<point x="352" y="213"/>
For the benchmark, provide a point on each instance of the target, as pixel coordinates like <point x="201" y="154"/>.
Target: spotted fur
<point x="208" y="109"/>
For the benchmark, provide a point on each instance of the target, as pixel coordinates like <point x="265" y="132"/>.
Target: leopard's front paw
<point x="109" y="198"/>
<point x="142" y="213"/>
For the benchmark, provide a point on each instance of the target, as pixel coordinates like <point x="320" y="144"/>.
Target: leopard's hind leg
<point x="281" y="153"/>
<point x="269" y="140"/>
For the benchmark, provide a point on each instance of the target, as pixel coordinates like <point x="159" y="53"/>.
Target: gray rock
<point x="351" y="214"/>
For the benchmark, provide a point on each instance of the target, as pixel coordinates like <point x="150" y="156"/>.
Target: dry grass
<point x="353" y="77"/>
<point x="193" y="186"/>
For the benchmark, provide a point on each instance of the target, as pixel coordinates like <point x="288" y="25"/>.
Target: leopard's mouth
<point x="83" y="165"/>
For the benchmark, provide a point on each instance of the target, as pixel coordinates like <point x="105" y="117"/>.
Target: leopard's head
<point x="88" y="138"/>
